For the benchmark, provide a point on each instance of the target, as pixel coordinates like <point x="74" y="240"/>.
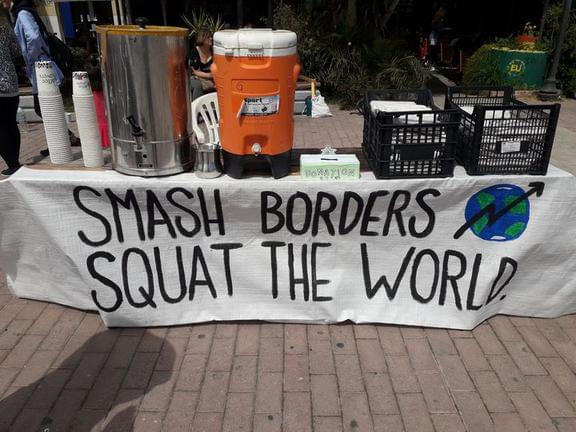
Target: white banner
<point x="431" y="252"/>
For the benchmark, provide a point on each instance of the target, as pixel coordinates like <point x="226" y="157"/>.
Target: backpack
<point x="59" y="53"/>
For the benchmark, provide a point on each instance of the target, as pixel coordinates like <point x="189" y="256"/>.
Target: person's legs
<point x="196" y="88"/>
<point x="9" y="133"/>
<point x="37" y="109"/>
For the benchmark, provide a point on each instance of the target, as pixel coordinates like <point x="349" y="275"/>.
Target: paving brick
<point x="148" y="422"/>
<point x="269" y="393"/>
<point x="244" y="373"/>
<point x="6" y="378"/>
<point x="180" y="412"/>
<point x="22" y="351"/>
<point x="140" y="370"/>
<point x="380" y="393"/>
<point x="504" y="328"/>
<point x="509" y="374"/>
<point x="62" y="330"/>
<point x="565" y="424"/>
<point x="12" y="334"/>
<point x="213" y="392"/>
<point x="71" y="355"/>
<point x="524" y="358"/>
<point x="492" y="392"/>
<point x="159" y="390"/>
<point x="488" y="340"/>
<point x="472" y="410"/>
<point x="192" y="372"/>
<point x="46" y="320"/>
<point x="88" y="420"/>
<point x="414" y="413"/>
<point x="508" y="422"/>
<point x="103" y="393"/>
<point x="371" y="355"/>
<point x="356" y="412"/>
<point x="349" y="373"/>
<point x="325" y="398"/>
<point x="448" y="423"/>
<point x="9" y="312"/>
<point x="12" y="403"/>
<point x="226" y="330"/>
<point x="440" y="341"/>
<point x="182" y="331"/>
<point x="201" y="337"/>
<point x="271" y="355"/>
<point x="537" y="342"/>
<point x="207" y="422"/>
<point x="48" y="389"/>
<point x="342" y="338"/>
<point x="532" y="413"/>
<point x="238" y="415"/>
<point x="421" y="355"/>
<point x="561" y="373"/>
<point x="472" y="355"/>
<point x="388" y="423"/>
<point x="172" y="354"/>
<point x="567" y="351"/>
<point x="391" y="340"/>
<point x="124" y="410"/>
<point x="65" y="408"/>
<point x="267" y="422"/>
<point x="412" y="333"/>
<point x="103" y="341"/>
<point x="272" y="330"/>
<point x="365" y="331"/>
<point x="221" y="355"/>
<point x="435" y="392"/>
<point x="327" y="424"/>
<point x="35" y="368"/>
<point x="455" y="373"/>
<point x="318" y="331"/>
<point x="297" y="415"/>
<point x="296" y="374"/>
<point x="31" y="310"/>
<point x="402" y="375"/>
<point x="123" y="352"/>
<point x="87" y="371"/>
<point x="320" y="355"/>
<point x="551" y="397"/>
<point x="519" y="322"/>
<point x="152" y="340"/>
<point x="248" y="339"/>
<point x="456" y="334"/>
<point x="295" y="339"/>
<point x="551" y="330"/>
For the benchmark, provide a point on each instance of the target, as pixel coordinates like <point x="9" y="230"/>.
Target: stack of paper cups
<point x="86" y="120"/>
<point x="53" y="115"/>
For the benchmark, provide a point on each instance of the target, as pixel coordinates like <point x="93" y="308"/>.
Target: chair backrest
<point x="207" y="107"/>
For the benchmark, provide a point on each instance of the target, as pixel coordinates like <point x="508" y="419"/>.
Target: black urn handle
<point x="142" y="22"/>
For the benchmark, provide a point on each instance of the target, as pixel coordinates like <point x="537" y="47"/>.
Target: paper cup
<point x="88" y="130"/>
<point x="46" y="82"/>
<point x="81" y="84"/>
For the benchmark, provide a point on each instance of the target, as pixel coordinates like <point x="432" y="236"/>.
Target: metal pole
<point x="544" y="9"/>
<point x="549" y="90"/>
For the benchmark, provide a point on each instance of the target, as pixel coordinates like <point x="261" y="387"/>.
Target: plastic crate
<point x="409" y="144"/>
<point x="498" y="134"/>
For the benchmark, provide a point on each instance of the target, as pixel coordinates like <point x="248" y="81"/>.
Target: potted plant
<point x="528" y="37"/>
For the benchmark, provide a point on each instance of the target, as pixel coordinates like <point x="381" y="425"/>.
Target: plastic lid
<point x="255" y="39"/>
<point x="149" y="30"/>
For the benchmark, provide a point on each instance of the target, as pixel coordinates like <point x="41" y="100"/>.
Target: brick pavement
<point x="61" y="367"/>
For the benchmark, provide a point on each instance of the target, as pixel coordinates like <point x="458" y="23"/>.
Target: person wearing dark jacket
<point x="9" y="98"/>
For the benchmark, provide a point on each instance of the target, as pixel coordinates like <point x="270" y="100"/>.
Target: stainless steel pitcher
<point x="147" y="95"/>
<point x="208" y="164"/>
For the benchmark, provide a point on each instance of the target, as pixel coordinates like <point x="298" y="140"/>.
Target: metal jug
<point x="208" y="164"/>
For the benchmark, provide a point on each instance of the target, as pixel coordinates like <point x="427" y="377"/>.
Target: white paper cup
<point x="46" y="82"/>
<point x="81" y="84"/>
<point x="88" y="130"/>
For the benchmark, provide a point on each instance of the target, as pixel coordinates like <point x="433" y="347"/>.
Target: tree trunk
<point x="351" y="15"/>
<point x="389" y="13"/>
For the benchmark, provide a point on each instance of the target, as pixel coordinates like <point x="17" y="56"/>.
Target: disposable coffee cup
<point x="46" y="81"/>
<point x="81" y="84"/>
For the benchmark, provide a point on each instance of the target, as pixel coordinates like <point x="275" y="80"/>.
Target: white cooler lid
<point x="255" y="42"/>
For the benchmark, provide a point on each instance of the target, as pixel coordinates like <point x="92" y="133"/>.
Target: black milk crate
<point x="499" y="134"/>
<point x="409" y="144"/>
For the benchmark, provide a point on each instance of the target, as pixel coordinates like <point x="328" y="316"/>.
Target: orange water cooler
<point x="255" y="71"/>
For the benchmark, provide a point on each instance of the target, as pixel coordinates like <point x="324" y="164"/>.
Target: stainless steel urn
<point x="146" y="88"/>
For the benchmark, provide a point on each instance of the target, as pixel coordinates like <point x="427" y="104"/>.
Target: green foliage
<point x="483" y="68"/>
<point x="567" y="69"/>
<point x="200" y="20"/>
<point x="348" y="61"/>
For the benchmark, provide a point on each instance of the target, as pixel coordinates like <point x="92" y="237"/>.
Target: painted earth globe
<point x="511" y="224"/>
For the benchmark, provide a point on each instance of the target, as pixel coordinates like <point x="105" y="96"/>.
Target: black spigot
<point x="142" y="22"/>
<point x="137" y="131"/>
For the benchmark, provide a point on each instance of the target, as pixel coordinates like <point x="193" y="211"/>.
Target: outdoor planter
<point x="522" y="68"/>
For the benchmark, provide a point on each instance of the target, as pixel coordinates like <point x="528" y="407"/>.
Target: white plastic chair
<point x="207" y="107"/>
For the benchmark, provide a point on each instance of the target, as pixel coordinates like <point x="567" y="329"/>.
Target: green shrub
<point x="482" y="68"/>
